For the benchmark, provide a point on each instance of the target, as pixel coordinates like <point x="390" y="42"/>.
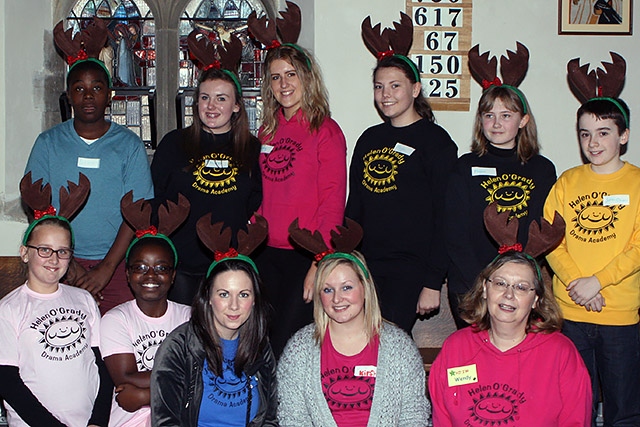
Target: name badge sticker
<point x="403" y="149"/>
<point x="365" y="371"/>
<point x="266" y="149"/>
<point x="88" y="163"/>
<point x="462" y="375"/>
<point x="218" y="164"/>
<point x="615" y="199"/>
<point x="481" y="171"/>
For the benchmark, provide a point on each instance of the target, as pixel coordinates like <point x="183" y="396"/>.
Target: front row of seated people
<point x="349" y="368"/>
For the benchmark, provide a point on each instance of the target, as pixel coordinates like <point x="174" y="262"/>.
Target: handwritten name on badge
<point x="88" y="163"/>
<point x="219" y="164"/>
<point x="365" y="371"/>
<point x="266" y="149"/>
<point x="462" y="375"/>
<point x="480" y="171"/>
<point x="615" y="199"/>
<point x="403" y="149"/>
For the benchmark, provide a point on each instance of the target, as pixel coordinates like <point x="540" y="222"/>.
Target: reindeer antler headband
<point x="599" y="84"/>
<point x="218" y="240"/>
<point x="85" y="46"/>
<point x="138" y="215"/>
<point x="225" y="57"/>
<point x="38" y="198"/>
<point x="394" y="42"/>
<point x="513" y="68"/>
<point x="344" y="242"/>
<point x="287" y="27"/>
<point x="505" y="232"/>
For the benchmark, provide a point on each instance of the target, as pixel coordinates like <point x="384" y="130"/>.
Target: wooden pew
<point x="13" y="273"/>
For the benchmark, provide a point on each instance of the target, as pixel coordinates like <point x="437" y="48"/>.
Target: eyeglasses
<point x="144" y="269"/>
<point x="518" y="288"/>
<point x="45" y="252"/>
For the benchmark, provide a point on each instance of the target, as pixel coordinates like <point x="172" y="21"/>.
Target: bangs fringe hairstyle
<point x="252" y="334"/>
<point x="420" y="103"/>
<point x="315" y="103"/>
<point x="545" y="317"/>
<point x="245" y="153"/>
<point x="527" y="137"/>
<point x="603" y="109"/>
<point x="57" y="222"/>
<point x="372" y="314"/>
<point x="151" y="241"/>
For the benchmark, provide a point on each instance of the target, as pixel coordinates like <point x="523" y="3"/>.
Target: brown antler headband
<point x="607" y="82"/>
<point x="394" y="42"/>
<point x="86" y="44"/>
<point x="225" y="57"/>
<point x="344" y="241"/>
<point x="38" y="198"/>
<point x="288" y="27"/>
<point x="218" y="240"/>
<point x="504" y="231"/>
<point x="513" y="68"/>
<point x="138" y="216"/>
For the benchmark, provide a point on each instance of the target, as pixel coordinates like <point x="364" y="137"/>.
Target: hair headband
<point x="389" y="42"/>
<point x="38" y="198"/>
<point x="218" y="240"/>
<point x="85" y="46"/>
<point x="513" y="68"/>
<point x="599" y="84"/>
<point x="288" y="28"/>
<point x="225" y="57"/>
<point x="138" y="215"/>
<point x="344" y="242"/>
<point x="541" y="238"/>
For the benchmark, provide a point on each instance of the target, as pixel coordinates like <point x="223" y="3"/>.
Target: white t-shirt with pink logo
<point x="126" y="329"/>
<point x="49" y="338"/>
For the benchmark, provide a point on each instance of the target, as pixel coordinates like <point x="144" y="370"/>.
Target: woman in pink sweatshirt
<point x="304" y="176"/>
<point x="512" y="367"/>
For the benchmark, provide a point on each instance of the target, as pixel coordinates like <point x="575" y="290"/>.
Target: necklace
<point x="509" y="343"/>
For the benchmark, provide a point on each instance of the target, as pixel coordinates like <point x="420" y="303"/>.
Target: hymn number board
<point x="441" y="40"/>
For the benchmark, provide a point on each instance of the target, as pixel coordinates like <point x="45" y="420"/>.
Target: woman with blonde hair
<point x="304" y="169"/>
<point x="350" y="367"/>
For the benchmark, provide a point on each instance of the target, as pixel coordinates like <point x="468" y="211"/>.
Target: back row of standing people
<point x="398" y="183"/>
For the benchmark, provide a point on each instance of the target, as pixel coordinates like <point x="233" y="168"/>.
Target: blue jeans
<point x="612" y="357"/>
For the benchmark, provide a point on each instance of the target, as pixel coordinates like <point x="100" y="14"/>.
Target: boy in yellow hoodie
<point x="597" y="264"/>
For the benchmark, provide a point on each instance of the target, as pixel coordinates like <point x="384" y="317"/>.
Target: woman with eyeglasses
<point x="132" y="332"/>
<point x="512" y="366"/>
<point x="51" y="369"/>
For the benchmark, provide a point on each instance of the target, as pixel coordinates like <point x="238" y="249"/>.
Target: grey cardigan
<point x="399" y="396"/>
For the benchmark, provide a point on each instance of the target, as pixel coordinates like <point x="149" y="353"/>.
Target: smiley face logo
<point x="494" y="409"/>
<point x="216" y="171"/>
<point x="380" y="169"/>
<point x="278" y="165"/>
<point x="510" y="195"/>
<point x="63" y="333"/>
<point x="594" y="218"/>
<point x="349" y="392"/>
<point x="147" y="355"/>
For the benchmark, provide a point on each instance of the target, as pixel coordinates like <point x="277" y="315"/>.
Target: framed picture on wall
<point x="595" y="17"/>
